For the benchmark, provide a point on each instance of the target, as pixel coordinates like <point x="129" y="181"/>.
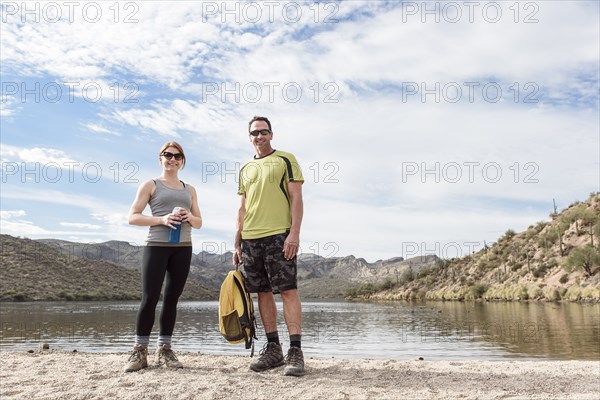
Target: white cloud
<point x="114" y="224"/>
<point x="100" y="129"/>
<point x="82" y="50"/>
<point x="354" y="152"/>
<point x="31" y="229"/>
<point x="7" y="109"/>
<point x="10" y="214"/>
<point x="170" y="45"/>
<point x="13" y="224"/>
<point x="23" y="228"/>
<point x="79" y="225"/>
<point x="53" y="165"/>
<point x="9" y="153"/>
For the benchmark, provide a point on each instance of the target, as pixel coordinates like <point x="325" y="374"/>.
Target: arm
<point x="292" y="242"/>
<point x="193" y="216"/>
<point x="237" y="252"/>
<point x="142" y="198"/>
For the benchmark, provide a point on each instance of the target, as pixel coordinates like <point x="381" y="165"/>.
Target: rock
<point x="44" y="346"/>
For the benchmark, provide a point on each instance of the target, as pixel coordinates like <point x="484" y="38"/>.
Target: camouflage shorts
<point x="265" y="267"/>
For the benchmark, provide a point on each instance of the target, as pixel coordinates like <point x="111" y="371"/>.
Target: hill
<point x="553" y="260"/>
<point x="321" y="277"/>
<point x="32" y="270"/>
<point x="52" y="269"/>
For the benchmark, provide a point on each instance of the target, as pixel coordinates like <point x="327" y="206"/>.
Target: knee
<point x="266" y="296"/>
<point x="149" y="301"/>
<point x="171" y="298"/>
<point x="290" y="295"/>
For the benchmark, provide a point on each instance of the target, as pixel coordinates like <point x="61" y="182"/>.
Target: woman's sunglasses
<point x="168" y="155"/>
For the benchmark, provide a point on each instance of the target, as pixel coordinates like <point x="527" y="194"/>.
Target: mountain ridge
<point x="319" y="277"/>
<point x="35" y="271"/>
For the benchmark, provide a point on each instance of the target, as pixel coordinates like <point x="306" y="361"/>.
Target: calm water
<point x="449" y="330"/>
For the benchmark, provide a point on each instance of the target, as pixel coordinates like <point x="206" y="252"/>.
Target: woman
<point x="161" y="256"/>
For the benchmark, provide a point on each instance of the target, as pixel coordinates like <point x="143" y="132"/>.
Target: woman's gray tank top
<point x="162" y="202"/>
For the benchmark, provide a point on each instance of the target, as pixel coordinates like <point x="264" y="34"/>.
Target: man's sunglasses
<point x="168" y="156"/>
<point x="263" y="132"/>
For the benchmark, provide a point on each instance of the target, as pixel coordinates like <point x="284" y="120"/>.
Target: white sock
<point x="142" y="340"/>
<point x="164" y="339"/>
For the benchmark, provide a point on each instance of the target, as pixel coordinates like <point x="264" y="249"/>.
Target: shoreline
<point x="375" y="299"/>
<point x="369" y="299"/>
<point x="80" y="375"/>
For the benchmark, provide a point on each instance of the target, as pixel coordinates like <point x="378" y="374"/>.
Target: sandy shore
<point x="61" y="375"/>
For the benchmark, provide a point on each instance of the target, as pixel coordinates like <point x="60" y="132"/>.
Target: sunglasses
<point x="168" y="156"/>
<point x="263" y="132"/>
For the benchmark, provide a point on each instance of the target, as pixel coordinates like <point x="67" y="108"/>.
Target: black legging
<point x="156" y="262"/>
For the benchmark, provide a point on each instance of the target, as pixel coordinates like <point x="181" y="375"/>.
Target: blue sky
<point x="421" y="127"/>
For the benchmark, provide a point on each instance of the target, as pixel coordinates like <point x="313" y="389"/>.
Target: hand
<point x="237" y="256"/>
<point x="171" y="220"/>
<point x="291" y="245"/>
<point x="185" y="215"/>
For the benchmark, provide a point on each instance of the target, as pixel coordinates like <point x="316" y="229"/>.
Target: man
<point x="267" y="240"/>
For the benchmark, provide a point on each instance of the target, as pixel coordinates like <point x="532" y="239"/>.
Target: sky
<point x="421" y="127"/>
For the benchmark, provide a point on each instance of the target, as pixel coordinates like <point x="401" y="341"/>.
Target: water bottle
<point x="174" y="234"/>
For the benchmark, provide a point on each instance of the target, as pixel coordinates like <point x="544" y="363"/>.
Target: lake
<point x="332" y="329"/>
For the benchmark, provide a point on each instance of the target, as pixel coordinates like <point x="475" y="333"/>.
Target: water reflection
<point x="547" y="330"/>
<point x="436" y="330"/>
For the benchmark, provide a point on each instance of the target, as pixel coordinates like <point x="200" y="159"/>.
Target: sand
<point x="62" y="375"/>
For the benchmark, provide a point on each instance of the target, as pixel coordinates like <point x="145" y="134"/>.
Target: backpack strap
<point x="253" y="325"/>
<point x="247" y="323"/>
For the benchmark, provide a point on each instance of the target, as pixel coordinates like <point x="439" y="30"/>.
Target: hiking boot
<point x="294" y="362"/>
<point x="271" y="356"/>
<point x="164" y="355"/>
<point x="138" y="359"/>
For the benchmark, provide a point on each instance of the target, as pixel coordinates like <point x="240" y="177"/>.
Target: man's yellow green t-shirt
<point x="264" y="182"/>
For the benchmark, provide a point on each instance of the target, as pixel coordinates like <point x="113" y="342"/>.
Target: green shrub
<point x="549" y="238"/>
<point x="535" y="292"/>
<point x="540" y="226"/>
<point x="573" y="293"/>
<point x="423" y="272"/>
<point x="362" y="290"/>
<point x="19" y="296"/>
<point x="581" y="215"/>
<point x="387" y="284"/>
<point x="584" y="258"/>
<point x="564" y="278"/>
<point x="551" y="293"/>
<point x="486" y="265"/>
<point x="407" y="276"/>
<point x="540" y="271"/>
<point x="477" y="290"/>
